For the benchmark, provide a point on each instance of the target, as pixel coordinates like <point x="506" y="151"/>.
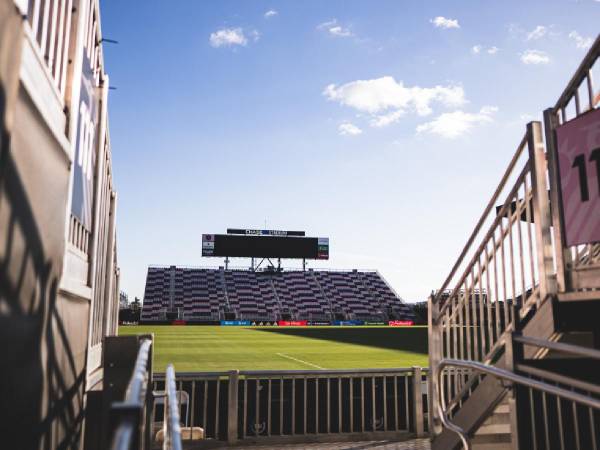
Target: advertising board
<point x="347" y="323"/>
<point x="578" y="143"/>
<point x="235" y="323"/>
<point x="292" y="323"/>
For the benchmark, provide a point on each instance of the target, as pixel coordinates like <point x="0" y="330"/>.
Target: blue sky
<point x="384" y="125"/>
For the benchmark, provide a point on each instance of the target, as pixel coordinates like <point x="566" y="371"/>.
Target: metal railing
<point x="508" y="271"/>
<point x="560" y="408"/>
<point x="130" y="431"/>
<point x="514" y="259"/>
<point x="172" y="426"/>
<point x="255" y="405"/>
<point x="51" y="28"/>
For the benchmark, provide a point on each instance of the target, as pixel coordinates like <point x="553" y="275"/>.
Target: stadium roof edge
<point x="244" y="268"/>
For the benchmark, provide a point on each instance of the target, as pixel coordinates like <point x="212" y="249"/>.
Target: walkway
<point x="414" y="444"/>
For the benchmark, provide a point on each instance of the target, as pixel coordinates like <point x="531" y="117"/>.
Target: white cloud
<point x="385" y="94"/>
<point x="348" y="129"/>
<point x="340" y="31"/>
<point x="537" y="33"/>
<point x="270" y="13"/>
<point x="334" y="28"/>
<point x="383" y="120"/>
<point x="443" y="22"/>
<point x="477" y="49"/>
<point x="581" y="42"/>
<point x="457" y="123"/>
<point x="228" y="37"/>
<point x="535" y="57"/>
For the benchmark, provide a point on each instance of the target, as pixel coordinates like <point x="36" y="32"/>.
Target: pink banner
<point x="579" y="165"/>
<point x="400" y="323"/>
<point x="292" y="323"/>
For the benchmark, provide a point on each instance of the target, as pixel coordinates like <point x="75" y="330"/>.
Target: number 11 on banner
<point x="580" y="163"/>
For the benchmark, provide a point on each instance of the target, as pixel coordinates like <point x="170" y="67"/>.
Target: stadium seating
<point x="217" y="294"/>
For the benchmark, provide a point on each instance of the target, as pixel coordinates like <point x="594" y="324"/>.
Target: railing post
<point x="433" y="309"/>
<point x="417" y="402"/>
<point x="511" y="355"/>
<point x="148" y="418"/>
<point x="563" y="257"/>
<point x="232" y="406"/>
<point x="541" y="209"/>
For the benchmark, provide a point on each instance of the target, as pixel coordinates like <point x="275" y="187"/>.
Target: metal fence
<point x="255" y="405"/>
<point x="557" y="411"/>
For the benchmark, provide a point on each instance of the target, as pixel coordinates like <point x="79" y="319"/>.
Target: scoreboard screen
<point x="253" y="246"/>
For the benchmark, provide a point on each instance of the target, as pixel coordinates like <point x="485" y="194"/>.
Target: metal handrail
<point x="134" y="397"/>
<point x="581" y="74"/>
<point x="504" y="375"/>
<point x="559" y="346"/>
<point x="283" y="373"/>
<point x="172" y="427"/>
<point x="136" y="389"/>
<point x="507" y="375"/>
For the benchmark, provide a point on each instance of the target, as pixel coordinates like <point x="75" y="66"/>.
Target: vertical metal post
<point x="417" y="402"/>
<point x="226" y="262"/>
<point x="217" y="406"/>
<point x="232" y="406"/>
<point x="510" y="355"/>
<point x="541" y="209"/>
<point x="563" y="258"/>
<point x="433" y="330"/>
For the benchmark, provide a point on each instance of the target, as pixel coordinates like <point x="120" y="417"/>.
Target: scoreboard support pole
<point x="303" y="264"/>
<point x="226" y="262"/>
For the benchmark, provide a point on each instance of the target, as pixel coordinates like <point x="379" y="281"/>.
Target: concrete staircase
<point x="495" y="433"/>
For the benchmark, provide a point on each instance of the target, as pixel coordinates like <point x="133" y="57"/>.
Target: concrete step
<point x="502" y="408"/>
<point x="497" y="438"/>
<point x="494" y="428"/>
<point x="497" y="418"/>
<point x="494" y="433"/>
<point x="493" y="446"/>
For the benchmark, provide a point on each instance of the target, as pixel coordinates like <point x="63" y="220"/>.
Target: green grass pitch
<point x="215" y="348"/>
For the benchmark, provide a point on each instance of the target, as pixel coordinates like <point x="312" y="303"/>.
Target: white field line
<point x="283" y="355"/>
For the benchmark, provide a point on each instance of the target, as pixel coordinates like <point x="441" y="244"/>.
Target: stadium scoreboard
<point x="242" y="243"/>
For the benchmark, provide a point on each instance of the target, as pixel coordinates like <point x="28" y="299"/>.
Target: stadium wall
<point x="58" y="270"/>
